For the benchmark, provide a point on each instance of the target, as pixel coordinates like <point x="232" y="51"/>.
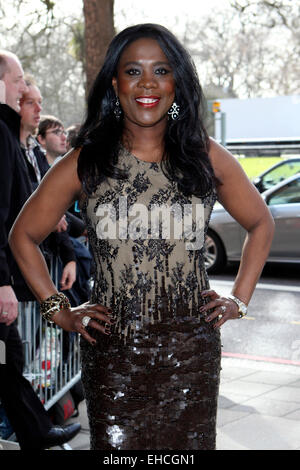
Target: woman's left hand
<point x="222" y="307"/>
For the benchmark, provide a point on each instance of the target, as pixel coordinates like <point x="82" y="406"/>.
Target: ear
<point x="40" y="140"/>
<point x="2" y="92"/>
<point x="115" y="85"/>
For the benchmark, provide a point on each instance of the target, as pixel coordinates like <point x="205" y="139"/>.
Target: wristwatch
<point x="241" y="305"/>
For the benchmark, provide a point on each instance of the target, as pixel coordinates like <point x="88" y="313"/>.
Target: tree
<point x="240" y="57"/>
<point x="99" y="31"/>
<point x="44" y="43"/>
<point x="270" y="13"/>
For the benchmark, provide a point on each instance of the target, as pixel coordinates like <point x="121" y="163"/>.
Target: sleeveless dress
<point x="153" y="383"/>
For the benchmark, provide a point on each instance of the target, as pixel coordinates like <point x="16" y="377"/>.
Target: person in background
<point x="72" y="133"/>
<point x="58" y="242"/>
<point x="52" y="137"/>
<point x="26" y="414"/>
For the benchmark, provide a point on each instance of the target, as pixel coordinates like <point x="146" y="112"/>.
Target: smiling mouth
<point x="147" y="101"/>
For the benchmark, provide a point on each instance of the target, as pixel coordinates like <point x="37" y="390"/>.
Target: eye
<point x="162" y="71"/>
<point x="132" y="71"/>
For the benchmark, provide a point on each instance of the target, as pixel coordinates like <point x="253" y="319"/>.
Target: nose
<point x="38" y="107"/>
<point x="147" y="80"/>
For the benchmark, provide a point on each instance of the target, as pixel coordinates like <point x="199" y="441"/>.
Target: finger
<point x="87" y="337"/>
<point x="8" y="314"/>
<point x="9" y="318"/>
<point x="105" y="329"/>
<point x="100" y="308"/>
<point x="100" y="316"/>
<point x="210" y="305"/>
<point x="68" y="284"/>
<point x="221" y="321"/>
<point x="210" y="293"/>
<point x="63" y="278"/>
<point x="82" y="330"/>
<point x="217" y="313"/>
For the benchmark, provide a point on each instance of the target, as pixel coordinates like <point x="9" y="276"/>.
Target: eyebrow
<point x="133" y="62"/>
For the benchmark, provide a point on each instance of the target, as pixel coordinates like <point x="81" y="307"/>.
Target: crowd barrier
<point x="52" y="355"/>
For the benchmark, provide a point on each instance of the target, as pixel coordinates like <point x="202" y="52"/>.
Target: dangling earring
<point x="174" y="111"/>
<point x="117" y="109"/>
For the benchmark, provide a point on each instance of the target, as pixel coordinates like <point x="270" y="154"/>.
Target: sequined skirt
<point x="158" y="390"/>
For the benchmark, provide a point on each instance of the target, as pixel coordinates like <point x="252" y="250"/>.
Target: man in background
<point x="58" y="242"/>
<point x="52" y="137"/>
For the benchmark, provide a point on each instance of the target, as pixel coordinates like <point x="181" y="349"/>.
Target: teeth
<point x="147" y="100"/>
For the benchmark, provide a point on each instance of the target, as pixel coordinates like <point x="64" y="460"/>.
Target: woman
<point x="150" y="335"/>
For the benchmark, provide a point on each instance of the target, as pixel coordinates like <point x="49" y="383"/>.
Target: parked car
<point x="277" y="173"/>
<point x="225" y="236"/>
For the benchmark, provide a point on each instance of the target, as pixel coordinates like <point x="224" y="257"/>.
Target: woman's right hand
<point x="71" y="319"/>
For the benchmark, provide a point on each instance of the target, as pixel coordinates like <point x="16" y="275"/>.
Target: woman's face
<point x="144" y="84"/>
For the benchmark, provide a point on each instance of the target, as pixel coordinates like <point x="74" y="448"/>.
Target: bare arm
<point x="38" y="218"/>
<point x="241" y="199"/>
<point x="58" y="190"/>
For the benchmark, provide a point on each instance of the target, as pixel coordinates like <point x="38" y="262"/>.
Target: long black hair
<point x="186" y="141"/>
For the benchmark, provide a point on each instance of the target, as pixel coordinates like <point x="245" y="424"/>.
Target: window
<point x="289" y="194"/>
<point x="280" y="173"/>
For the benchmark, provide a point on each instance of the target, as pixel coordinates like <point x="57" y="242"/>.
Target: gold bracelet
<point x="53" y="304"/>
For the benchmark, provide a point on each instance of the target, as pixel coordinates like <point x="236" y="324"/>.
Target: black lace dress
<point x="153" y="383"/>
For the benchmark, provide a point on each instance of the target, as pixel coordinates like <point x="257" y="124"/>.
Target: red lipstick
<point x="147" y="101"/>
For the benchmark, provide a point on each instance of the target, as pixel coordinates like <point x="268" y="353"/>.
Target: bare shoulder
<point x="236" y="192"/>
<point x="64" y="172"/>
<point x="223" y="162"/>
<point x="69" y="160"/>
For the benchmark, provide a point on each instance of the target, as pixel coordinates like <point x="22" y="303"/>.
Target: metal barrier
<point x="52" y="355"/>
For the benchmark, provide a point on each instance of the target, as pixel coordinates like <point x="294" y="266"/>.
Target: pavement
<point x="259" y="407"/>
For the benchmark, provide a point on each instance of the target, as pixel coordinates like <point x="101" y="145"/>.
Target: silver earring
<point x="117" y="109"/>
<point x="174" y="111"/>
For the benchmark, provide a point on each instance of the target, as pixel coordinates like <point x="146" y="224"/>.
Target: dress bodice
<point x="147" y="238"/>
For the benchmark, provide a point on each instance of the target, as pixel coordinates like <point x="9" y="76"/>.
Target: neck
<point x="50" y="158"/>
<point x="24" y="134"/>
<point x="147" y="143"/>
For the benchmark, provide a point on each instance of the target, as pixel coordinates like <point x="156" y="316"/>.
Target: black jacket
<point x="58" y="244"/>
<point x="15" y="188"/>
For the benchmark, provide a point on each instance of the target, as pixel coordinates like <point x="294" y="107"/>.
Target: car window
<point x="288" y="194"/>
<point x="280" y="173"/>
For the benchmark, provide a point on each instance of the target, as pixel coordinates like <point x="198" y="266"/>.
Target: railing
<point x="52" y="355"/>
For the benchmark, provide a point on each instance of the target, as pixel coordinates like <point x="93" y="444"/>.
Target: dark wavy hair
<point x="186" y="141"/>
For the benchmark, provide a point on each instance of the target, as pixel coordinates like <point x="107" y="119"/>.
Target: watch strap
<point x="241" y="305"/>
